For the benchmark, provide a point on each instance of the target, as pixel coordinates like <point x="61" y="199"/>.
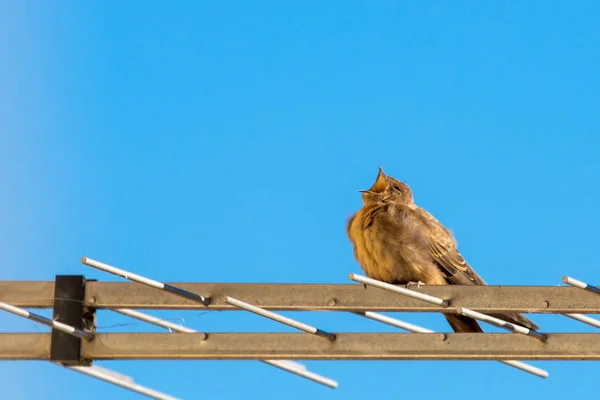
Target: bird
<point x="395" y="241"/>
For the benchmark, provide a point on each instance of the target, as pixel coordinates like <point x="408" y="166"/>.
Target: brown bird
<point x="398" y="242"/>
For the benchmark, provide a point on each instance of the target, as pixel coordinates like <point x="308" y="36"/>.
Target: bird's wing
<point x="442" y="248"/>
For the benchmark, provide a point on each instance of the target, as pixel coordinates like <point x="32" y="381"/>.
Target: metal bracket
<point x="69" y="308"/>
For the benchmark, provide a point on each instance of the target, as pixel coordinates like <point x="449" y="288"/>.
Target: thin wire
<point x="98" y="327"/>
<point x="181" y="319"/>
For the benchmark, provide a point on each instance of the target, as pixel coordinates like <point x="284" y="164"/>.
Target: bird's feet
<point x="417" y="284"/>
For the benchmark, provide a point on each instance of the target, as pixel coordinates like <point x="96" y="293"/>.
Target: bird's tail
<point x="460" y="323"/>
<point x="517" y="319"/>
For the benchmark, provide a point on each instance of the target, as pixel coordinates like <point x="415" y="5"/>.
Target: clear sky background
<point x="226" y="142"/>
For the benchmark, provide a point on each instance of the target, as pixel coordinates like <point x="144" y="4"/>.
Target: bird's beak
<point x="380" y="183"/>
<point x="365" y="191"/>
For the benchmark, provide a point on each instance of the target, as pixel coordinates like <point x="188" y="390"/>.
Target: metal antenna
<point x="280" y="318"/>
<point x="444" y="303"/>
<point x="75" y="344"/>
<point x="584" y="286"/>
<point x="146" y="281"/>
<point x="286" y="365"/>
<point x="102" y="374"/>
<point x="48" y="322"/>
<point x="418" y="329"/>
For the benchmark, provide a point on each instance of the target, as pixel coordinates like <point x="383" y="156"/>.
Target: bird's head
<point x="387" y="189"/>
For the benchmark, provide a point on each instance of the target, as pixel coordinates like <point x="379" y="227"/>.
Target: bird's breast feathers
<point x="386" y="245"/>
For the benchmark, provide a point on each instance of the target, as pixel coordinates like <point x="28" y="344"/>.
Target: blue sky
<point x="226" y="142"/>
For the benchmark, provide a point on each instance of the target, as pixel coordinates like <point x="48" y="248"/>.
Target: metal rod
<point x="444" y="303"/>
<point x="155" y="321"/>
<point x="356" y="346"/>
<point x="501" y="323"/>
<point x="286" y="365"/>
<point x="585" y="319"/>
<point x="580" y="285"/>
<point x="310" y="297"/>
<point x="526" y="367"/>
<point x="419" y="329"/>
<point x="109" y="376"/>
<point x="394" y="322"/>
<point x="393" y="288"/>
<point x="280" y="318"/>
<point x="300" y="346"/>
<point x="106" y="371"/>
<point x="146" y="281"/>
<point x="46" y="321"/>
<point x="291" y="367"/>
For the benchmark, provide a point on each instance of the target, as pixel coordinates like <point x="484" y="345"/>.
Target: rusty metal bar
<point x="318" y="297"/>
<point x="358" y="346"/>
<point x="348" y="346"/>
<point x="346" y="297"/>
<point x="28" y="294"/>
<point x="25" y="346"/>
